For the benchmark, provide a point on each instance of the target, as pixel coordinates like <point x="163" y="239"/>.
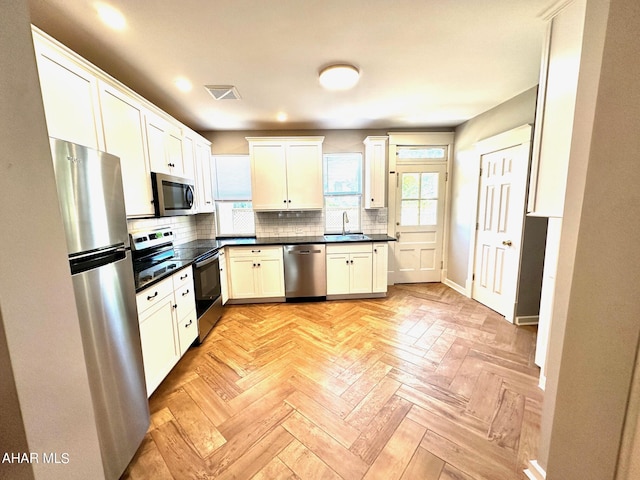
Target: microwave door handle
<point x="188" y="196"/>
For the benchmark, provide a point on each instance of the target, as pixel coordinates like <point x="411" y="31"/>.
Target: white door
<point x="501" y="206"/>
<point x="420" y="193"/>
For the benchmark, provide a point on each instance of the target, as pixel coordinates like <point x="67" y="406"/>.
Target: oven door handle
<point x="207" y="261"/>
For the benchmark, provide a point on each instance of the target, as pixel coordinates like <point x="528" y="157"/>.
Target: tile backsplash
<point x="268" y="224"/>
<point x="184" y="227"/>
<point x="311" y="223"/>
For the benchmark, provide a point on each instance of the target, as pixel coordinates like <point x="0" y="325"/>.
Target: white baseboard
<point x="542" y="381"/>
<point x="458" y="288"/>
<point x="535" y="471"/>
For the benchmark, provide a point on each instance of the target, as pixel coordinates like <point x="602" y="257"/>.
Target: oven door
<point x="207" y="278"/>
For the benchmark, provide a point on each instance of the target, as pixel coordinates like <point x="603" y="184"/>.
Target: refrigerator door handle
<point x="97" y="259"/>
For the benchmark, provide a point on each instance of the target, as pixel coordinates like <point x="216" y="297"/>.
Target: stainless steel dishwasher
<point x="305" y="273"/>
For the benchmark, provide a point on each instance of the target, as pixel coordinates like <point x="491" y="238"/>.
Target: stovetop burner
<point x="155" y="256"/>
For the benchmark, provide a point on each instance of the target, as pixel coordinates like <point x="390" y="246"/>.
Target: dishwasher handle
<point x="303" y="249"/>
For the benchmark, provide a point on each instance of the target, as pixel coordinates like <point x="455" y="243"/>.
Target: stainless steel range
<point x="156" y="257"/>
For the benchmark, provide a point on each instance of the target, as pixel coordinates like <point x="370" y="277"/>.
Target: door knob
<point x="507" y="243"/>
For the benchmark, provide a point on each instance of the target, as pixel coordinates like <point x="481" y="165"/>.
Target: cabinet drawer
<point x="154" y="294"/>
<point x="347" y="248"/>
<point x="183" y="278"/>
<point x="256" y="251"/>
<point x="187" y="330"/>
<point x="185" y="300"/>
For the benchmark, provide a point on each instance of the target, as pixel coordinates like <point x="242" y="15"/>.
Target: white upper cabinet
<point x="557" y="94"/>
<point x="164" y="141"/>
<point x="375" y="168"/>
<point x="70" y="96"/>
<point x="204" y="184"/>
<point x="286" y="173"/>
<point x="123" y="124"/>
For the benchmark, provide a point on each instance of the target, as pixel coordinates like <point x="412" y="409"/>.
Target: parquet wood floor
<point x="424" y="384"/>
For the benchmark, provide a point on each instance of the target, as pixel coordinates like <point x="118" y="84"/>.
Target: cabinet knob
<point x="372" y="199"/>
<point x="351" y="262"/>
<point x="289" y="201"/>
<point x="175" y="305"/>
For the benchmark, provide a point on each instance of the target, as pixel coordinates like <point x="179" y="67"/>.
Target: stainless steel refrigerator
<point x="91" y="198"/>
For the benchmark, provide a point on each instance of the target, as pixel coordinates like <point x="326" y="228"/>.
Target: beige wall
<point x="596" y="324"/>
<point x="42" y="369"/>
<point x="513" y="113"/>
<point x="335" y="141"/>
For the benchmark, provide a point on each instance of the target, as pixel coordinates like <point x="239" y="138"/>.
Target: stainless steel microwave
<point x="172" y="195"/>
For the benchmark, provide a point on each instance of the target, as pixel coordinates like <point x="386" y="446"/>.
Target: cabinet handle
<point x="151" y="297"/>
<point x="185" y="276"/>
<point x="187" y="325"/>
<point x="185" y="293"/>
<point x="171" y="165"/>
<point x="208" y="201"/>
<point x="255" y="251"/>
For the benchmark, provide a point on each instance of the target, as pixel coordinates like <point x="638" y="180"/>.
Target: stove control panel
<point x="143" y="240"/>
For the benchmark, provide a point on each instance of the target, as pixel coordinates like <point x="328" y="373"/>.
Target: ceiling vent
<point x="223" y="92"/>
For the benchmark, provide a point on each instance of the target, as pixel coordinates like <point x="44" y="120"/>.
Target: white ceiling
<point x="424" y="63"/>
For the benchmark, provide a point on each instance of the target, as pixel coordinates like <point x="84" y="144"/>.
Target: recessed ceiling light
<point x="339" y="77"/>
<point x="111" y="16"/>
<point x="282" y="117"/>
<point x="183" y="84"/>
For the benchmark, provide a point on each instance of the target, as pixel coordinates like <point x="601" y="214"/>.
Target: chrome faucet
<point x="345" y="219"/>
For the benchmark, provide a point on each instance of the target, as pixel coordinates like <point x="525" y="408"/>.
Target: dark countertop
<point x="186" y="253"/>
<point x="369" y="238"/>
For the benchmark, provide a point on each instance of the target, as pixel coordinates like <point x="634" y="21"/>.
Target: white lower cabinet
<point x="168" y="325"/>
<point x="255" y="272"/>
<point x="380" y="267"/>
<point x="349" y="268"/>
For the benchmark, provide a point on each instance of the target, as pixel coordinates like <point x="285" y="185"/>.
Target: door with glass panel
<point x="420" y="193"/>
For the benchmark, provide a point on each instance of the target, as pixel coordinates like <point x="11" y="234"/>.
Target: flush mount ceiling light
<point x="111" y="16"/>
<point x="183" y="84"/>
<point x="339" y="77"/>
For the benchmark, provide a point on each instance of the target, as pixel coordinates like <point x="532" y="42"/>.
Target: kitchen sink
<point x="346" y="238"/>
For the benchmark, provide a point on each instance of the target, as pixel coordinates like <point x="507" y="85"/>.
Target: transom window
<point x="422" y="153"/>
